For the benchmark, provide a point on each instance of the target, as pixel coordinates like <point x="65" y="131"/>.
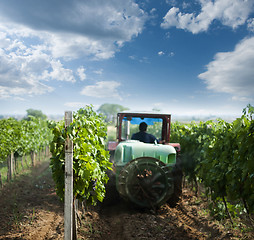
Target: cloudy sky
<point x="192" y="57"/>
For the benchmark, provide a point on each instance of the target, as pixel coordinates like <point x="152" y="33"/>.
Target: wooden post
<point x="1" y="183"/>
<point x="22" y="164"/>
<point x="15" y="163"/>
<point x="39" y="155"/>
<point x="68" y="194"/>
<point x="33" y="157"/>
<point x="10" y="162"/>
<point x="26" y="161"/>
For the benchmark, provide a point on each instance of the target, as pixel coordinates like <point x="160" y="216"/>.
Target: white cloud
<point x="81" y="73"/>
<point x="72" y="29"/>
<point x="167" y="35"/>
<point x="141" y="59"/>
<point x="35" y="47"/>
<point x="171" y="2"/>
<point x="31" y="88"/>
<point x="99" y="71"/>
<point x="241" y="99"/>
<point x="103" y="89"/>
<point x="133" y="57"/>
<point x="171" y="54"/>
<point x="69" y="46"/>
<point x="59" y="73"/>
<point x="186" y="5"/>
<point x="24" y="69"/>
<point x="233" y="72"/>
<point x="75" y="105"/>
<point x="251" y="24"/>
<point x="228" y="12"/>
<point x="153" y="10"/>
<point x="160" y="53"/>
<point x="144" y="60"/>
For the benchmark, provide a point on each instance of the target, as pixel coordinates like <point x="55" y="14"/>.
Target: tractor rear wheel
<point x="146" y="181"/>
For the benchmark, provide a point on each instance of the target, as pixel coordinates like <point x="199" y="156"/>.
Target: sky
<point x="191" y="57"/>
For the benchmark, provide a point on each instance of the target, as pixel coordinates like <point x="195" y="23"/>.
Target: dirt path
<point x="189" y="220"/>
<point x="124" y="222"/>
<point x="30" y="210"/>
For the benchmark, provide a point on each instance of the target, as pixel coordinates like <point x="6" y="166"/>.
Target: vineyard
<point x="217" y="158"/>
<point x="23" y="139"/>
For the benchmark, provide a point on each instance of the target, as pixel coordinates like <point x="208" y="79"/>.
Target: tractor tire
<point x="111" y="196"/>
<point x="146" y="182"/>
<point x="178" y="178"/>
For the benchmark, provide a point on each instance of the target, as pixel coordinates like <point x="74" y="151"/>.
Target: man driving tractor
<point x="143" y="136"/>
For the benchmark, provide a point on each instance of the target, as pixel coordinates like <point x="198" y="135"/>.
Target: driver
<point x="142" y="135"/>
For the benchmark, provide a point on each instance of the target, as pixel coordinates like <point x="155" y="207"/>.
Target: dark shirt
<point x="144" y="137"/>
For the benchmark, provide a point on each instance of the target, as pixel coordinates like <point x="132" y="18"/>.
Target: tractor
<point x="146" y="174"/>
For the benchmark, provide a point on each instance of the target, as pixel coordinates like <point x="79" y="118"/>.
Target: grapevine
<point x="90" y="159"/>
<point x="23" y="136"/>
<point x="220" y="156"/>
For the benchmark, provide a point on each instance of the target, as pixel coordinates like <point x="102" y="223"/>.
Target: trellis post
<point x="68" y="194"/>
<point x="11" y="166"/>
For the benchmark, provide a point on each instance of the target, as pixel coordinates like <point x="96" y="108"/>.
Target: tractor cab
<point x="158" y="126"/>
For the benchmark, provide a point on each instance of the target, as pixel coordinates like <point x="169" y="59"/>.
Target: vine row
<point x="88" y="131"/>
<point x="220" y="155"/>
<point x="22" y="137"/>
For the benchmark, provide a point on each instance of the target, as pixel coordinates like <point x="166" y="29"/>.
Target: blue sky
<point x="182" y="57"/>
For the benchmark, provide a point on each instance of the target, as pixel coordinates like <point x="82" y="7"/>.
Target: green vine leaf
<point x="88" y="132"/>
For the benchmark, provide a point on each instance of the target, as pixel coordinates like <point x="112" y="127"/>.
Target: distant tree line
<point x="110" y="111"/>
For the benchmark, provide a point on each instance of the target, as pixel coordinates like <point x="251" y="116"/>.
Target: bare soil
<point x="30" y="209"/>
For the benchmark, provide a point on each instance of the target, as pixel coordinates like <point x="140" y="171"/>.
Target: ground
<point x="30" y="209"/>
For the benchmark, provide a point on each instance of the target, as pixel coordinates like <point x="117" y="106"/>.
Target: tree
<point x="35" y="113"/>
<point x="110" y="111"/>
<point x="156" y="109"/>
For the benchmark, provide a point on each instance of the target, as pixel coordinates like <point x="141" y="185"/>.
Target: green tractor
<point x="148" y="174"/>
